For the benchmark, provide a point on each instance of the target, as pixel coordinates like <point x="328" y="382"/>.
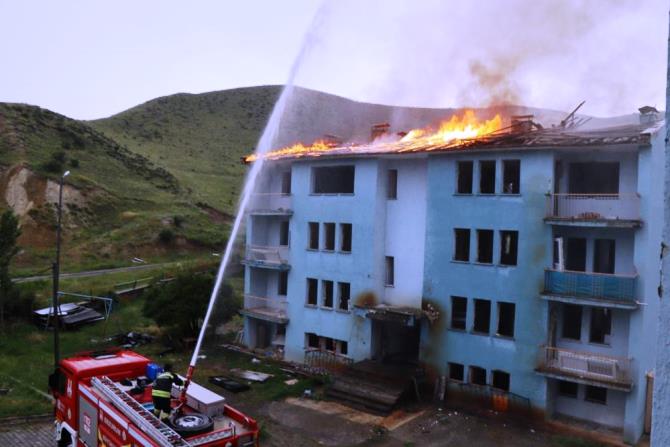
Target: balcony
<point x="270" y="204"/>
<point x="599" y="210"/>
<point x="275" y="258"/>
<point x="585" y="367"/>
<point x="268" y="309"/>
<point x="590" y="289"/>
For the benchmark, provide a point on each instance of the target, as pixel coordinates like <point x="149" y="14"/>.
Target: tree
<point x="9" y="235"/>
<point x="180" y="305"/>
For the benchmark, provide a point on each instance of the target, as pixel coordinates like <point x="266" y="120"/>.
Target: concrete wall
<point x="618" y="343"/>
<point x="520" y="284"/>
<point x="610" y="414"/>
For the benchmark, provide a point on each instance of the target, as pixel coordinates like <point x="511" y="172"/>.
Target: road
<point x="90" y="273"/>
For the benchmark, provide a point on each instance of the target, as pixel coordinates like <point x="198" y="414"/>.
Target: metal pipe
<point x="56" y="273"/>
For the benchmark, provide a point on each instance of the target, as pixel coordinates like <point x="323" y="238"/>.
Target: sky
<point x="91" y="59"/>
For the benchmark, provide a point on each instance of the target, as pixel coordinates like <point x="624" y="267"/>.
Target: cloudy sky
<point x="92" y="59"/>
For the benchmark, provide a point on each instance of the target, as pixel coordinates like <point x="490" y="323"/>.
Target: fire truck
<point x="104" y="399"/>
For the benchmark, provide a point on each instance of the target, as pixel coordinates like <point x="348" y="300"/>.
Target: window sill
<point x="481" y="334"/>
<point x="506" y="265"/>
<point x="569" y="340"/>
<point x="389" y="286"/>
<point x="486" y="194"/>
<point x="484" y="264"/>
<point x="329" y="309"/>
<point x="600" y="345"/>
<point x="454" y="329"/>
<point x="342" y="252"/>
<point x="456" y="261"/>
<point x="343" y="311"/>
<point x="311" y="306"/>
<point x="331" y="194"/>
<point x="312" y="249"/>
<point x="328" y="250"/>
<point x="463" y="194"/>
<point x="504" y="337"/>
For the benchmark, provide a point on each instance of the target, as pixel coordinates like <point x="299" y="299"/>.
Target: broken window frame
<point x="509" y="248"/>
<point x="312" y="341"/>
<point x="282" y="283"/>
<point x="600" y="316"/>
<point x="595" y="394"/>
<point x="343" y="296"/>
<point x="343" y="347"/>
<point x="487" y="177"/>
<point x="456" y="372"/>
<point x="346" y="234"/>
<point x="284" y="233"/>
<point x="482" y="317"/>
<point x="461" y="245"/>
<point x="333" y="180"/>
<point x="564" y="388"/>
<point x="488" y="246"/>
<point x="477" y="372"/>
<point x="464" y="179"/>
<point x="312" y="292"/>
<point x="511" y="177"/>
<point x="577" y="334"/>
<point x="392" y="184"/>
<point x="389" y="277"/>
<point x="506" y="311"/>
<point x="313" y="235"/>
<point x="327" y="293"/>
<point x="456" y="319"/>
<point x="329" y="236"/>
<point x="501" y="380"/>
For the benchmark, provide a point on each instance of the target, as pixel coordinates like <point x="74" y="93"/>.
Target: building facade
<point x="528" y="268"/>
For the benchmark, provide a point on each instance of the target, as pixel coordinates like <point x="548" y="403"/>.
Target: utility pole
<point x="660" y="429"/>
<point x="56" y="274"/>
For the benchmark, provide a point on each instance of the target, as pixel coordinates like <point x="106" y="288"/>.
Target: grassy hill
<point x="116" y="201"/>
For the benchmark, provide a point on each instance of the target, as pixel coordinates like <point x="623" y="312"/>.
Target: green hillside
<point x="198" y="138"/>
<point x="116" y="201"/>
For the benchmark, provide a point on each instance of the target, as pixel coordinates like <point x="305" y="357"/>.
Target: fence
<point x="594" y="206"/>
<point x="587" y="365"/>
<point x="593" y="285"/>
<point x="267" y="255"/>
<point x="324" y="362"/>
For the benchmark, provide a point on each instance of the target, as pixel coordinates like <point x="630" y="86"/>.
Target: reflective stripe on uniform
<point x="160" y="393"/>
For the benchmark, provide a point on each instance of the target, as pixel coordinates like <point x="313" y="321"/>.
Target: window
<point x="601" y="325"/>
<point x="482" y="316"/>
<point x="313" y="235"/>
<point x="390" y="271"/>
<point x="487" y="177"/>
<point x="329" y="344"/>
<point x="596" y="394"/>
<point x="327" y="293"/>
<point x="485" y="246"/>
<point x="312" y="292"/>
<point x="477" y="375"/>
<point x="464" y="185"/>
<point x="593" y="178"/>
<point x="572" y="322"/>
<point x="344" y="347"/>
<point x="568" y="389"/>
<point x="312" y="340"/>
<point x="333" y="180"/>
<point x="462" y="244"/>
<point x="345" y="237"/>
<point x="508" y="247"/>
<point x="500" y="380"/>
<point x="286" y="182"/>
<point x="329" y="236"/>
<point x="575" y="257"/>
<point x="282" y="283"/>
<point x="603" y="257"/>
<point x="283" y="233"/>
<point x="459" y="311"/>
<point x="344" y="292"/>
<point x="392" y="184"/>
<point x="511" y="176"/>
<point x="506" y="319"/>
<point x="456" y="372"/>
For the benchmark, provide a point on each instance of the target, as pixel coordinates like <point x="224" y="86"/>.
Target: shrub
<point x="178" y="221"/>
<point x="74" y="163"/>
<point x="53" y="166"/>
<point x="166" y="236"/>
<point x="58" y="156"/>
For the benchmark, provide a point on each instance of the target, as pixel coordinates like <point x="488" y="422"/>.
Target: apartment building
<point x="527" y="264"/>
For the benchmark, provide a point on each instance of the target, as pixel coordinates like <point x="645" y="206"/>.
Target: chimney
<point x="378" y="130"/>
<point x="648" y="115"/>
<point x="521" y="123"/>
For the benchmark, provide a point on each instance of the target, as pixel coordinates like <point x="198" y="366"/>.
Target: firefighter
<point x="161" y="392"/>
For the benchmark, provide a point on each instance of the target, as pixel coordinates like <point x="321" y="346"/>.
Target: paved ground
<point x="39" y="434"/>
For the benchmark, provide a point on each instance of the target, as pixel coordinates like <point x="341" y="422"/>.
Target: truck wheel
<point x="191" y="424"/>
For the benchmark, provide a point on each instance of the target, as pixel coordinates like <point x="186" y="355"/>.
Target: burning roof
<point x="462" y="133"/>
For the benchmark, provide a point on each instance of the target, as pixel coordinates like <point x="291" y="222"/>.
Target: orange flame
<point x="450" y="132"/>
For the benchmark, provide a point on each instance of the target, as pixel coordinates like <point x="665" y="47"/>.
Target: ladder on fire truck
<point x="146" y="420"/>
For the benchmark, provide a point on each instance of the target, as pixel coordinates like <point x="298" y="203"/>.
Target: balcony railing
<point x="593" y="207"/>
<point x="270" y="203"/>
<point x="271" y="308"/>
<point x="267" y="256"/>
<point x="586" y="365"/>
<point x="591" y="285"/>
<point x="323" y="362"/>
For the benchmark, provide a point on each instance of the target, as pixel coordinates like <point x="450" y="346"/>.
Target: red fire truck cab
<point x="104" y="399"/>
